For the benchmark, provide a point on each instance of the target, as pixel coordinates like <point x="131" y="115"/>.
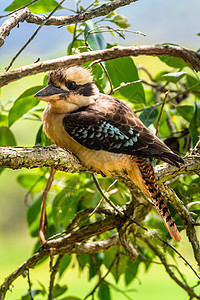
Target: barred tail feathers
<point x="155" y="194"/>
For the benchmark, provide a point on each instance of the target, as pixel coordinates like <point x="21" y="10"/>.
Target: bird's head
<point x="69" y="89"/>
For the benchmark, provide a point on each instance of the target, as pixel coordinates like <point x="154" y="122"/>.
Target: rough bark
<point x="191" y="57"/>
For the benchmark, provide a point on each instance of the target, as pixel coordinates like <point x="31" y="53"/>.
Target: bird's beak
<point x="51" y="93"/>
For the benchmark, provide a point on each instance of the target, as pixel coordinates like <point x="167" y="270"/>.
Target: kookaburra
<point x="104" y="133"/>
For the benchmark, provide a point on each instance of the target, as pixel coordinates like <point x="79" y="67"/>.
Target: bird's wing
<point x="110" y="125"/>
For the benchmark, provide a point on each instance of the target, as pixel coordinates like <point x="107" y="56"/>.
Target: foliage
<point x="71" y="193"/>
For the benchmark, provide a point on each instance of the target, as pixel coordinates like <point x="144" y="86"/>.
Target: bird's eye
<point x="71" y="85"/>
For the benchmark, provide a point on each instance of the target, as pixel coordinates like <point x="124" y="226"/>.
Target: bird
<point x="104" y="133"/>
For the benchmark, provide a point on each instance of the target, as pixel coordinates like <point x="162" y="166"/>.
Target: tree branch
<point x="103" y="10"/>
<point x="186" y="218"/>
<point x="11" y="22"/>
<point x="191" y="57"/>
<point x="26" y="14"/>
<point x="62" y="160"/>
<point x="162" y="258"/>
<point x="70" y="243"/>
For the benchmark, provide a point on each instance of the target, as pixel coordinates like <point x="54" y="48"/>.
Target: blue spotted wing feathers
<point x="108" y="124"/>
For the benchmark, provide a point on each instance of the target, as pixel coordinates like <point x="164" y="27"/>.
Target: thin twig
<point x="189" y="290"/>
<point x="161" y="111"/>
<point x="28" y="16"/>
<point x="192" y="203"/>
<point x="96" y="30"/>
<point x="121" y="291"/>
<point x="126" y="243"/>
<point x="29" y="284"/>
<point x="122" y="85"/>
<point x="34" y="34"/>
<point x="140" y="67"/>
<point x="101" y="279"/>
<point x="105" y="197"/>
<point x="172" y="247"/>
<point x="186" y="91"/>
<point x="101" y="63"/>
<point x="171" y="125"/>
<point x="43" y="216"/>
<point x="53" y="275"/>
<point x="94" y="210"/>
<point x="18" y="9"/>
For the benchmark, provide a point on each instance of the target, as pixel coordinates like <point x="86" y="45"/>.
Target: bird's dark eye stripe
<point x="86" y="89"/>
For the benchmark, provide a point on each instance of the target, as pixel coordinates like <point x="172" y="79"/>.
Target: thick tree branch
<point x="103" y="10"/>
<point x="26" y="14"/>
<point x="23" y="157"/>
<point x="11" y="22"/>
<point x="63" y="160"/>
<point x="191" y="57"/>
<point x="70" y="243"/>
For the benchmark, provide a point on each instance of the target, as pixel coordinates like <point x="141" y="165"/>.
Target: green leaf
<point x="64" y="206"/>
<point x="70" y="298"/>
<point x="33" y="293"/>
<point x="100" y="79"/>
<point x="83" y="260"/>
<point x="98" y="261"/>
<point x="33" y="182"/>
<point x="174" y="77"/>
<point x="194" y="187"/>
<point x="149" y="115"/>
<point x="75" y="46"/>
<point x="39" y="7"/>
<point x="173" y="62"/>
<point x="33" y="211"/>
<point x="6" y="137"/>
<point x="194" y="84"/>
<point x="95" y="39"/>
<point x="119" y="268"/>
<point x="16" y="4"/>
<point x="64" y="264"/>
<point x="23" y="104"/>
<point x="3" y="119"/>
<point x="186" y="111"/>
<point x="59" y="290"/>
<point x="41" y="138"/>
<point x="150" y="98"/>
<point x="124" y="70"/>
<point x="104" y="292"/>
<point x="159" y="76"/>
<point x="131" y="271"/>
<point x="193" y="126"/>
<point x="71" y="28"/>
<point x="193" y="81"/>
<point x="121" y="21"/>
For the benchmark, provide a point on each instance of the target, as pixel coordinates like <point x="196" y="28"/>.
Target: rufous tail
<point x="152" y="190"/>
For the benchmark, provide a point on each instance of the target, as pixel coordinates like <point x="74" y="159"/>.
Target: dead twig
<point x="43" y="216"/>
